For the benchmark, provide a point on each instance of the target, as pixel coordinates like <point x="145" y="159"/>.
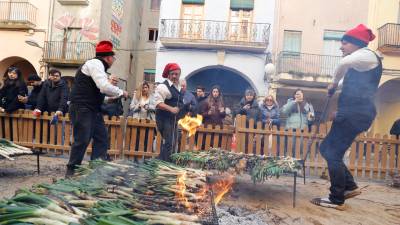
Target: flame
<point x="190" y="124"/>
<point x="222" y="187"/>
<point x="181" y="194"/>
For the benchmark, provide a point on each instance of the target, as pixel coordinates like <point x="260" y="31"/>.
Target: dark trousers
<point x="333" y="148"/>
<point x="87" y="124"/>
<point x="168" y="131"/>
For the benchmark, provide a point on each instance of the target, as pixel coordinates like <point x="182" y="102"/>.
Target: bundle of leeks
<point x="8" y="149"/>
<point x="258" y="166"/>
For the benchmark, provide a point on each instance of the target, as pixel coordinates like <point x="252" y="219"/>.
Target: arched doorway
<point x="24" y="65"/>
<point x="388" y="106"/>
<point x="232" y="82"/>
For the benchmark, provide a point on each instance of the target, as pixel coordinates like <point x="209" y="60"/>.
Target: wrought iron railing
<point x="215" y="31"/>
<point x="68" y="52"/>
<point x="303" y="64"/>
<point x="389" y="35"/>
<point x="21" y="12"/>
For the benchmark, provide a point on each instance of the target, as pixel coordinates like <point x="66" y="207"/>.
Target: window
<point x="240" y="25"/>
<point x="191" y="25"/>
<point x="149" y="75"/>
<point x="332" y="42"/>
<point x="155" y="4"/>
<point x="292" y="41"/>
<point x="153" y="34"/>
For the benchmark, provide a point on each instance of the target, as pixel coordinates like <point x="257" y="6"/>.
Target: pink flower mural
<point x="64" y="21"/>
<point x="88" y="28"/>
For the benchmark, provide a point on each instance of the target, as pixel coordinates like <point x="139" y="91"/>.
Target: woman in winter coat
<point x="248" y="106"/>
<point x="300" y="114"/>
<point x="213" y="109"/>
<point x="142" y="105"/>
<point x="13" y="91"/>
<point x="270" y="112"/>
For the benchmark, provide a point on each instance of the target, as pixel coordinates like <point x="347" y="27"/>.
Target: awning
<point x="193" y="2"/>
<point x="242" y="4"/>
<point x="150" y="71"/>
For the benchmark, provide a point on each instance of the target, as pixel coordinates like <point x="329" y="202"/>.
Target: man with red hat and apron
<point x="169" y="107"/>
<point x="87" y="95"/>
<point x="359" y="73"/>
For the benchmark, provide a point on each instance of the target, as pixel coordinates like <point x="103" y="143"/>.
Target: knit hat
<point x="170" y="67"/>
<point x="104" y="48"/>
<point x="360" y="36"/>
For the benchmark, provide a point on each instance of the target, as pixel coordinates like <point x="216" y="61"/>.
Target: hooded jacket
<point x="53" y="97"/>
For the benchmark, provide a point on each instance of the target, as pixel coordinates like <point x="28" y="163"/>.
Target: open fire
<point x="219" y="185"/>
<point x="190" y="124"/>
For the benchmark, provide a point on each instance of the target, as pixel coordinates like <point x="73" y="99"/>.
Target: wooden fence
<point x="371" y="156"/>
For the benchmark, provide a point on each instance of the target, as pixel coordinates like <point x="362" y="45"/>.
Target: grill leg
<point x="294" y="188"/>
<point x="38" y="162"/>
<point x="304" y="172"/>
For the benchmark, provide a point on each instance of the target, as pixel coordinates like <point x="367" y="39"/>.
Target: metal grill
<point x="210" y="216"/>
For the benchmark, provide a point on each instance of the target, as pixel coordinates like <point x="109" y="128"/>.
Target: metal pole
<point x="294" y="188"/>
<point x="313" y="135"/>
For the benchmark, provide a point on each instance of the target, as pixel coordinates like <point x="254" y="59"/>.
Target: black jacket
<point x="53" y="98"/>
<point x="253" y="113"/>
<point x="33" y="96"/>
<point x="9" y="97"/>
<point x="113" y="108"/>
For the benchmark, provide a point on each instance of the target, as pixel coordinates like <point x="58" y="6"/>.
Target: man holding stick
<point x="168" y="99"/>
<point x="359" y="71"/>
<point x="87" y="95"/>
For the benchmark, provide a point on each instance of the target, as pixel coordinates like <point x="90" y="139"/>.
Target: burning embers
<point x="221" y="187"/>
<point x="217" y="185"/>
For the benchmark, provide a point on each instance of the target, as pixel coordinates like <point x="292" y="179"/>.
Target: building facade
<point x="76" y="26"/>
<point x="222" y="42"/>
<point x="21" y="21"/>
<point x="384" y="19"/>
<point x="306" y="45"/>
<point x="145" y="53"/>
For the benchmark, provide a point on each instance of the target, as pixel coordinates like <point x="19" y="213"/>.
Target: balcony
<point x="214" y="34"/>
<point x="68" y="53"/>
<point x="389" y="38"/>
<point x="306" y="69"/>
<point x="17" y="15"/>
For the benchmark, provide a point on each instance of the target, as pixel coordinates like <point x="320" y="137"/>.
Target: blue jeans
<point x="87" y="125"/>
<point x="333" y="148"/>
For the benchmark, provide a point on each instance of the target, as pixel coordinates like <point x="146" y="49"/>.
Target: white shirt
<point x="162" y="92"/>
<point x="361" y="60"/>
<point x="94" y="68"/>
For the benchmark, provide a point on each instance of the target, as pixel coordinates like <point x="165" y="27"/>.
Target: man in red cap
<point x="87" y="95"/>
<point x="169" y="102"/>
<point x="359" y="73"/>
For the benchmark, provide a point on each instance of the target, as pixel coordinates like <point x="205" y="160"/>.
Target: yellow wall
<point x="381" y="12"/>
<point x="13" y="41"/>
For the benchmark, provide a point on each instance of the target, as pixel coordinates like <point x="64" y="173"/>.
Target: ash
<point x="230" y="215"/>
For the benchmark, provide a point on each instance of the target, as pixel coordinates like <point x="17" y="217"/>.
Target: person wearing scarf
<point x="213" y="109"/>
<point x="168" y="99"/>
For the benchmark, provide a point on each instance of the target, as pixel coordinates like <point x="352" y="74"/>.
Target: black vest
<point x="176" y="100"/>
<point x="85" y="92"/>
<point x="358" y="91"/>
